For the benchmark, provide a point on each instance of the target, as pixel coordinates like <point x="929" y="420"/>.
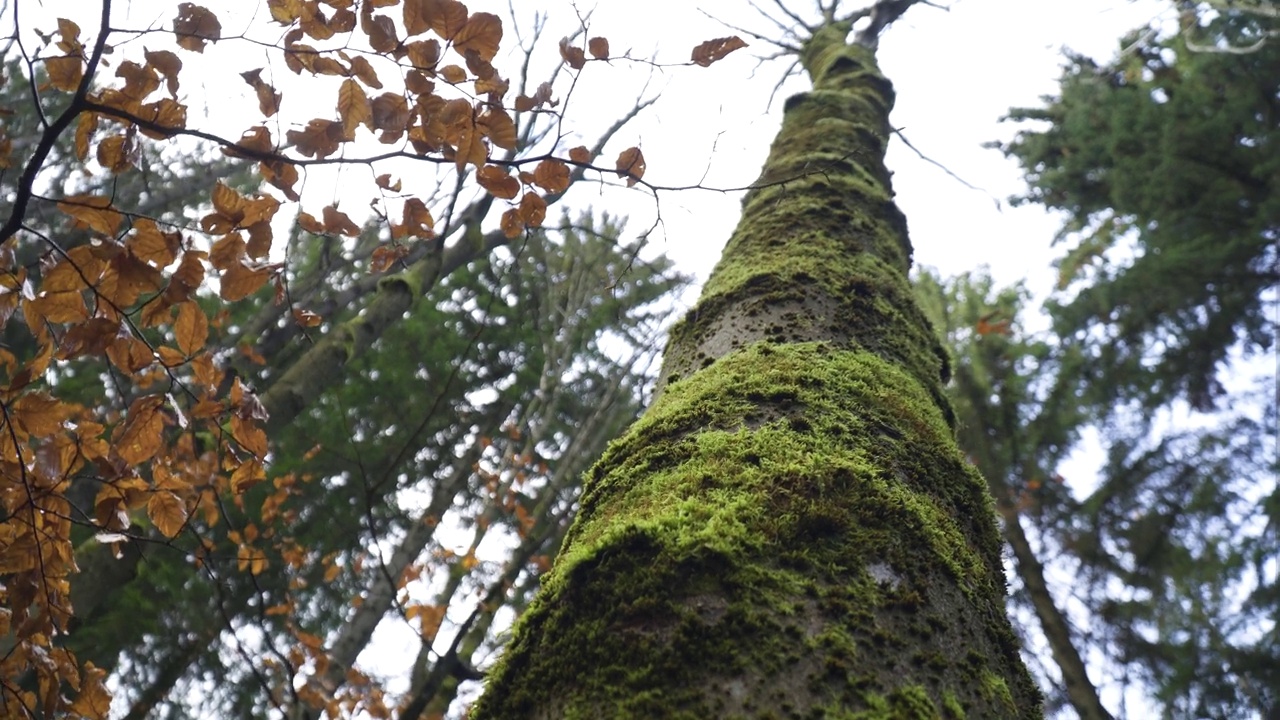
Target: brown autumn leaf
<point x="448" y="17"/>
<point x="581" y="155"/>
<point x="384" y="256"/>
<point x="194" y="26"/>
<point x="240" y="281"/>
<point x="599" y="48"/>
<point x="171" y="358"/>
<point x="249" y="435"/>
<point x="417" y="15"/>
<point x="306" y="318"/>
<point x="167" y="512"/>
<point x="91" y="337"/>
<point x="361" y="68"/>
<point x="227" y="251"/>
<point x="62" y="307"/>
<point x="285" y="11"/>
<point x="93" y="212"/>
<point x="93" y="702"/>
<point x="65" y="73"/>
<point x="282" y="176"/>
<point x="167" y="113"/>
<point x="320" y="138"/>
<point x="228" y="202"/>
<point x="336" y="221"/>
<point x="713" y="50"/>
<point x="631" y="165"/>
<point x="308" y="222"/>
<point x="205" y="371"/>
<point x="385" y="182"/>
<point x="39" y="413"/>
<point x="268" y="97"/>
<point x="574" y="56"/>
<point x="249" y="473"/>
<point x="498" y="182"/>
<point x="542" y="96"/>
<point x="127" y="278"/>
<point x="142" y="435"/>
<point x="168" y="65"/>
<point x="390" y="114"/>
<point x="498" y="126"/>
<point x="511" y="223"/>
<point x="260" y="237"/>
<point x="117" y="152"/>
<point x="353" y="107"/>
<point x="129" y="354"/>
<point x="80" y="269"/>
<point x="192" y="328"/>
<point x="551" y="175"/>
<point x="481" y="34"/>
<point x="453" y="74"/>
<point x="417" y="218"/>
<point x="85" y="127"/>
<point x="149" y="244"/>
<point x="533" y="209"/>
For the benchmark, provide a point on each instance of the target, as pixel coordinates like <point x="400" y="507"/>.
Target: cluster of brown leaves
<point x="179" y="436"/>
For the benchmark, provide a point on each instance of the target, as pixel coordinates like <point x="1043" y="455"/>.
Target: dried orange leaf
<point x="598" y="47"/>
<point x="191" y="329"/>
<point x="384" y="182"/>
<point x="65" y="73"/>
<point x="308" y="222"/>
<point x="240" y="281"/>
<point x="39" y="413"/>
<point x="306" y="318"/>
<point x="552" y="176"/>
<point x="85" y="128"/>
<point x="499" y="127"/>
<point x="580" y="154"/>
<point x="713" y="50"/>
<point x="168" y="65"/>
<point x="448" y="17"/>
<point x="574" y="56"/>
<point x="498" y="182"/>
<point x="194" y="25"/>
<point x="143" y="433"/>
<point x="631" y="165"/>
<point x="353" y="106"/>
<point x="512" y="225"/>
<point x="384" y="256"/>
<point x="533" y="209"/>
<point x="249" y="435"/>
<point x="168" y="512"/>
<point x="93" y="212"/>
<point x="482" y="34"/>
<point x="453" y="74"/>
<point x="336" y="221"/>
<point x="417" y="218"/>
<point x="248" y="474"/>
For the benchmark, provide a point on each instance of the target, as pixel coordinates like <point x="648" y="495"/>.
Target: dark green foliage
<point x="1172" y="548"/>
<point x="1166" y="163"/>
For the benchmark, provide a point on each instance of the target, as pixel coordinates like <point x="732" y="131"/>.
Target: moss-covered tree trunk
<point x="790" y="530"/>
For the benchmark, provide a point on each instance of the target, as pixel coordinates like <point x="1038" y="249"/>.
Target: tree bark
<point x="790" y="530"/>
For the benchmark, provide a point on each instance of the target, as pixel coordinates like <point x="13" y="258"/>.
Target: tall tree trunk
<point x="790" y="530"/>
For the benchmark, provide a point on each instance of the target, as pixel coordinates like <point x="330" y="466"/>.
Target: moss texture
<point x="790" y="530"/>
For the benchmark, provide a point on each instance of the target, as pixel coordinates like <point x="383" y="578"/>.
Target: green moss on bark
<point x="796" y="518"/>
<point x="790" y="531"/>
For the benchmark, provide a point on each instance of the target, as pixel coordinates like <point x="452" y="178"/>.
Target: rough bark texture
<point x="790" y="531"/>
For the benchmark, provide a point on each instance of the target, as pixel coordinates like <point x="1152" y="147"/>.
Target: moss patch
<point x="794" y="518"/>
